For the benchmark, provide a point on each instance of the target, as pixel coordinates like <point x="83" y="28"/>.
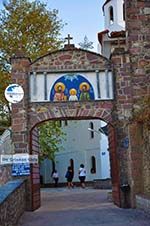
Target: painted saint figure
<point x="59" y="92"/>
<point x="73" y="95"/>
<point x="84" y="87"/>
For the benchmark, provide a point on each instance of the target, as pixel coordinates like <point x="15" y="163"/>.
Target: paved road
<point x="81" y="207"/>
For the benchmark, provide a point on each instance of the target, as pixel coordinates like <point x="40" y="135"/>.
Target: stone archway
<point x="35" y="108"/>
<point x="78" y="111"/>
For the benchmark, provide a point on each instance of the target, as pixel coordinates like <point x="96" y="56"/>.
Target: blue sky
<point x="83" y="17"/>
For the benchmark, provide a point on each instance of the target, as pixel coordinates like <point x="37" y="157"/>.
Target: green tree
<point x="29" y="26"/>
<point x="51" y="137"/>
<point x="86" y="44"/>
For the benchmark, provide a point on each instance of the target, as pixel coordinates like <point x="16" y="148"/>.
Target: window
<point x="92" y="128"/>
<point x="124" y="12"/>
<point x="93" y="164"/>
<point x="111" y="14"/>
<point x="66" y="123"/>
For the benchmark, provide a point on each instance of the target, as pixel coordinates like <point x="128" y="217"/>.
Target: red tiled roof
<point x="100" y="35"/>
<point x="113" y="34"/>
<point x="105" y="4"/>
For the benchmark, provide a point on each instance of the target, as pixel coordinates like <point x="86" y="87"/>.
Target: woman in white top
<point x="82" y="175"/>
<point x="55" y="177"/>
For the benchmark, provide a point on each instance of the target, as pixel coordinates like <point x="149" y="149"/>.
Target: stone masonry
<point x="12" y="202"/>
<point x="132" y="75"/>
<point x="26" y="116"/>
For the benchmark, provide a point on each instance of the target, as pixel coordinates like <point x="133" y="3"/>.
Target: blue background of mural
<point x="72" y="81"/>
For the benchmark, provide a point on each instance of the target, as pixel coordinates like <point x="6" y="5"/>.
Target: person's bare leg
<point x="83" y="185"/>
<point x="69" y="185"/>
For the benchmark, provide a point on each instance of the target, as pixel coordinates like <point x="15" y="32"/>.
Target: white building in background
<point x="113" y="34"/>
<point x="80" y="146"/>
<point x="6" y="146"/>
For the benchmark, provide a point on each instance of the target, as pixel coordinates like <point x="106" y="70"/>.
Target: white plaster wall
<point x="104" y="155"/>
<point x="80" y="147"/>
<point x="45" y="171"/>
<point x="6" y="146"/>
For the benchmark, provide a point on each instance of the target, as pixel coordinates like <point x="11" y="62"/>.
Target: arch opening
<point x="92" y="158"/>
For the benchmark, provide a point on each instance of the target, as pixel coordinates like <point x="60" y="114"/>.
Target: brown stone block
<point x="121" y="98"/>
<point x="92" y="57"/>
<point x="18" y="137"/>
<point x="98" y="113"/>
<point x="135" y="50"/>
<point x="116" y="60"/>
<point x="65" y="57"/>
<point x="36" y="181"/>
<point x="144" y="62"/>
<point x="22" y="145"/>
<point x="35" y="169"/>
<point x="18" y="128"/>
<point x="136" y="156"/>
<point x="36" y="176"/>
<point x="18" y="121"/>
<point x="127" y="91"/>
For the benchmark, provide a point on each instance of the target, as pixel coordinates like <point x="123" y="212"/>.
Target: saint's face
<point x="84" y="88"/>
<point x="59" y="89"/>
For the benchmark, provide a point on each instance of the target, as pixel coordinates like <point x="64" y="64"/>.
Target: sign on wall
<point x="14" y="93"/>
<point x="21" y="169"/>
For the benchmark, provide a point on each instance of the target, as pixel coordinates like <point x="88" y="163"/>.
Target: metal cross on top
<point x="68" y="38"/>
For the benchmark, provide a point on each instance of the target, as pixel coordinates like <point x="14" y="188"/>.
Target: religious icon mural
<point x="59" y="92"/>
<point x="84" y="88"/>
<point x="72" y="87"/>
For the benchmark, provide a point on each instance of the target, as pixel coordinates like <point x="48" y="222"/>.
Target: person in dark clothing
<point x="69" y="177"/>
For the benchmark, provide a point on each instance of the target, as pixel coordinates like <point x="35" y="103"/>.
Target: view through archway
<point x="85" y="142"/>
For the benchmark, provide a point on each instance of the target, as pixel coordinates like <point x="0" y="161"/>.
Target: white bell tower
<point x="114" y="15"/>
<point x="114" y="24"/>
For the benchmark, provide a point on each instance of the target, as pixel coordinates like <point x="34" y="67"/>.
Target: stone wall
<point x="122" y="112"/>
<point x="138" y="36"/>
<point x="26" y="116"/>
<point x="5" y="174"/>
<point x="12" y="202"/>
<point x="70" y="59"/>
<point x="19" y="123"/>
<point x="40" y="112"/>
<point x="146" y="160"/>
<point x="35" y="177"/>
<point x="132" y="83"/>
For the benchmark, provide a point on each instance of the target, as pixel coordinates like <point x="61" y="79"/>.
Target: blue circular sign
<point x="14" y="93"/>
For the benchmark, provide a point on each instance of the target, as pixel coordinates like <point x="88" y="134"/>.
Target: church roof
<point x="105" y="4"/>
<point x="100" y="35"/>
<point x="113" y="34"/>
<point x="116" y="34"/>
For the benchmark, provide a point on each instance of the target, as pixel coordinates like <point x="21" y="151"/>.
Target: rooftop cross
<point x="68" y="38"/>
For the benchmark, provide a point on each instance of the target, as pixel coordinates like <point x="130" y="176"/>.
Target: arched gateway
<point x="67" y="84"/>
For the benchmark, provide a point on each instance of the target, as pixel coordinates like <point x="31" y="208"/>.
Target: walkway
<point x="81" y="207"/>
